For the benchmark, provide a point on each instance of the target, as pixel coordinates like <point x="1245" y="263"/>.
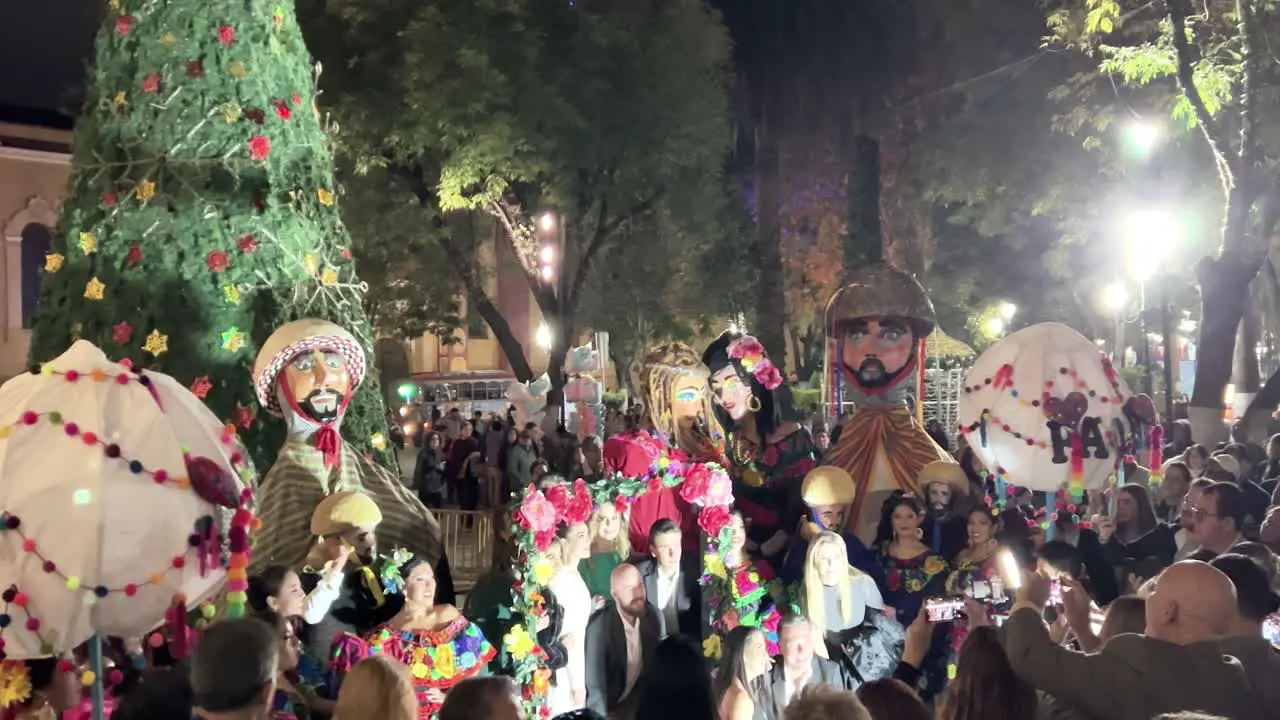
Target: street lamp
<point x="547" y="222"/>
<point x="995" y="326"/>
<point x="1007" y="311"/>
<point x="1149" y="234"/>
<point x="1142" y="135"/>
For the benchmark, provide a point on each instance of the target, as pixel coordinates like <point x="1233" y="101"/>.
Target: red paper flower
<point x="109" y="198"/>
<point x="297" y="99"/>
<point x="226" y="34"/>
<point x="346" y="253"/>
<point x="201" y="386"/>
<point x="124" y="24"/>
<point x="558" y="496"/>
<point x="282" y="109"/>
<point x="655" y="484"/>
<point x="151" y="83"/>
<point x="244" y="416"/>
<point x="696" y="485"/>
<point x="195" y="69"/>
<point x="134" y="256"/>
<point x="217" y="260"/>
<point x="259" y="147"/>
<point x="247" y="243"/>
<point x="121" y="333"/>
<point x="580" y="506"/>
<point x="621" y="503"/>
<point x="713" y="519"/>
<point x="543" y="539"/>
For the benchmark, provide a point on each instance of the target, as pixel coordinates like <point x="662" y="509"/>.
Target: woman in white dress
<point x="573" y="545"/>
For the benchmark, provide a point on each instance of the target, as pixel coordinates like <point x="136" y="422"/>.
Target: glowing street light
<point x="547" y="273"/>
<point x="1007" y="311"/>
<point x="1115" y="297"/>
<point x="547" y="222"/>
<point x="547" y="254"/>
<point x="543" y="337"/>
<point x="1149" y="234"/>
<point x="1142" y="135"/>
<point x="995" y="326"/>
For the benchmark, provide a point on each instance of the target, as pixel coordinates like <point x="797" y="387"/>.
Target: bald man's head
<point x="627" y="588"/>
<point x="1192" y="602"/>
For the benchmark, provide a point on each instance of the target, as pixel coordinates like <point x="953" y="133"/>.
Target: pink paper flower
<point x="713" y="519"/>
<point x="768" y="375"/>
<point x="746" y="346"/>
<point x="697" y="482"/>
<point x="536" y="513"/>
<point x="719" y="489"/>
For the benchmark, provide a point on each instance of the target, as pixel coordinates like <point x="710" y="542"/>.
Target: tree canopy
<point x="599" y="112"/>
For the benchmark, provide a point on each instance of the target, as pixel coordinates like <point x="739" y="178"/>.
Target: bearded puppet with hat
<point x="945" y="489"/>
<point x="306" y="373"/>
<point x="827" y="493"/>
<point x="876" y="326"/>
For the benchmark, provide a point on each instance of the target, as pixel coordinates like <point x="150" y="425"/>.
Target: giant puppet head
<point x="306" y="373"/>
<point x="673" y="385"/>
<point x="877" y="321"/>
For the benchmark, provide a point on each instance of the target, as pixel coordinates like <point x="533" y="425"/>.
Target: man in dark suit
<point x="620" y="641"/>
<point x="800" y="667"/>
<point x="671" y="581"/>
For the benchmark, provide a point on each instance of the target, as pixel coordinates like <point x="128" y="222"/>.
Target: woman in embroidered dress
<point x="912" y="572"/>
<point x="610" y="547"/>
<point x="737" y="591"/>
<point x="569" y="689"/>
<point x="768" y="457"/>
<point x="977" y="573"/>
<point x="440" y="646"/>
<point x="846" y="612"/>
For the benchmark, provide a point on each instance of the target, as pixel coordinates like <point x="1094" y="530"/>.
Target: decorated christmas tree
<point x="201" y="211"/>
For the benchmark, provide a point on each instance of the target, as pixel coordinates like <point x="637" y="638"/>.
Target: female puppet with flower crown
<point x="767" y="456"/>
<point x="440" y="647"/>
<point x="680" y="426"/>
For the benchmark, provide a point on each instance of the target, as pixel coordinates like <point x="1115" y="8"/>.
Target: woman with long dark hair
<point x="985" y="686"/>
<point x="1135" y="514"/>
<point x="737" y="687"/>
<point x="977" y="572"/>
<point x="768" y="456"/>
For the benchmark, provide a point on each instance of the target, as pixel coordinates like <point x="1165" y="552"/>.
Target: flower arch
<point x="536" y="515"/>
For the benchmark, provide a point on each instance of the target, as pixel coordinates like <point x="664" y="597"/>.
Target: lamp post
<point x="1115" y="298"/>
<point x="1149" y="234"/>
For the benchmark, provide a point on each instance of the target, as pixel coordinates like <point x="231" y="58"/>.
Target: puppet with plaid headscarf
<point x="306" y="373"/>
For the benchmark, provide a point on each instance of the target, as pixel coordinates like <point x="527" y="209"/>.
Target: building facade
<point x="35" y="161"/>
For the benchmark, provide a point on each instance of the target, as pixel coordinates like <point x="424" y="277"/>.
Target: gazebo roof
<point x="942" y="345"/>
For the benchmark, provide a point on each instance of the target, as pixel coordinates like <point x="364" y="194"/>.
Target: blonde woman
<point x="569" y="683"/>
<point x="610" y="547"/>
<point x="846" y="610"/>
<point x="377" y="688"/>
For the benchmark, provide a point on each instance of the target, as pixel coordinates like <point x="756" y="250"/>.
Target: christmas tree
<point x="201" y="211"/>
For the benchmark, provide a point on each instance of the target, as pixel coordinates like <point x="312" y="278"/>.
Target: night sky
<point x="46" y="46"/>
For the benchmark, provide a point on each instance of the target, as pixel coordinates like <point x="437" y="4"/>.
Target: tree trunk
<point x="1244" y="369"/>
<point x="1224" y="295"/>
<point x="770" y="302"/>
<point x="864" y="243"/>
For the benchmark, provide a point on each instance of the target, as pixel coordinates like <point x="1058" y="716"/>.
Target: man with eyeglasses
<point x="1216" y="517"/>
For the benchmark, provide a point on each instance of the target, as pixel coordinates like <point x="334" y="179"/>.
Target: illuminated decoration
<point x="157" y="343"/>
<point x="538" y="512"/>
<point x="1045" y="410"/>
<point x="121" y="500"/>
<point x="407" y="392"/>
<point x="201" y="198"/>
<point x="232" y="340"/>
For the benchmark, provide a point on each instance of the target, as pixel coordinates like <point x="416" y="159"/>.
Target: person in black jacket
<point x="671" y="581"/>
<point x="428" y="474"/>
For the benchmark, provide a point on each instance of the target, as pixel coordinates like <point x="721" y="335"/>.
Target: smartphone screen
<point x="942" y="609"/>
<point x="1055" y="591"/>
<point x="1271" y="629"/>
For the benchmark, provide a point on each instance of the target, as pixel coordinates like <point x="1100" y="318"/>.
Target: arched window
<point x="36" y="242"/>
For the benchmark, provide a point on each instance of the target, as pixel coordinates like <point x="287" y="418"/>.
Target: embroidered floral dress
<point x="907" y="583"/>
<point x="962" y="581"/>
<point x="437" y="659"/>
<point x="740" y="595"/>
<point x="766" y="487"/>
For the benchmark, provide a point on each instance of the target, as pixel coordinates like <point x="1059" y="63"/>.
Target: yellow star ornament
<point x="53" y="262"/>
<point x="94" y="288"/>
<point x="157" y="343"/>
<point x="146" y="190"/>
<point x="88" y="243"/>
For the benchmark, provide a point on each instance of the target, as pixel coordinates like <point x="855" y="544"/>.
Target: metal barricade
<point x="468" y="541"/>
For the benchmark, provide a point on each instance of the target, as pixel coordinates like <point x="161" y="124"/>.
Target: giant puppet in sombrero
<point x="306" y="373"/>
<point x="876" y="326"/>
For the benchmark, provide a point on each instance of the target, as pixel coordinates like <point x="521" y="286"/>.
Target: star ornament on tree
<point x="94" y="288"/>
<point x="157" y="343"/>
<point x="53" y="262"/>
<point x="121" y="333"/>
<point x="233" y="339"/>
<point x="201" y="386"/>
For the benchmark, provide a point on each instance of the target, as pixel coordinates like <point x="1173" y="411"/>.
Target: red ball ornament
<point x="48" y="566"/>
<point x="179" y="562"/>
<point x="33" y="624"/>
<point x="89" y="438"/>
<point x="71" y="375"/>
<point x="30" y="418"/>
<point x="21" y="599"/>
<point x="130" y="589"/>
<point x="28" y="545"/>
